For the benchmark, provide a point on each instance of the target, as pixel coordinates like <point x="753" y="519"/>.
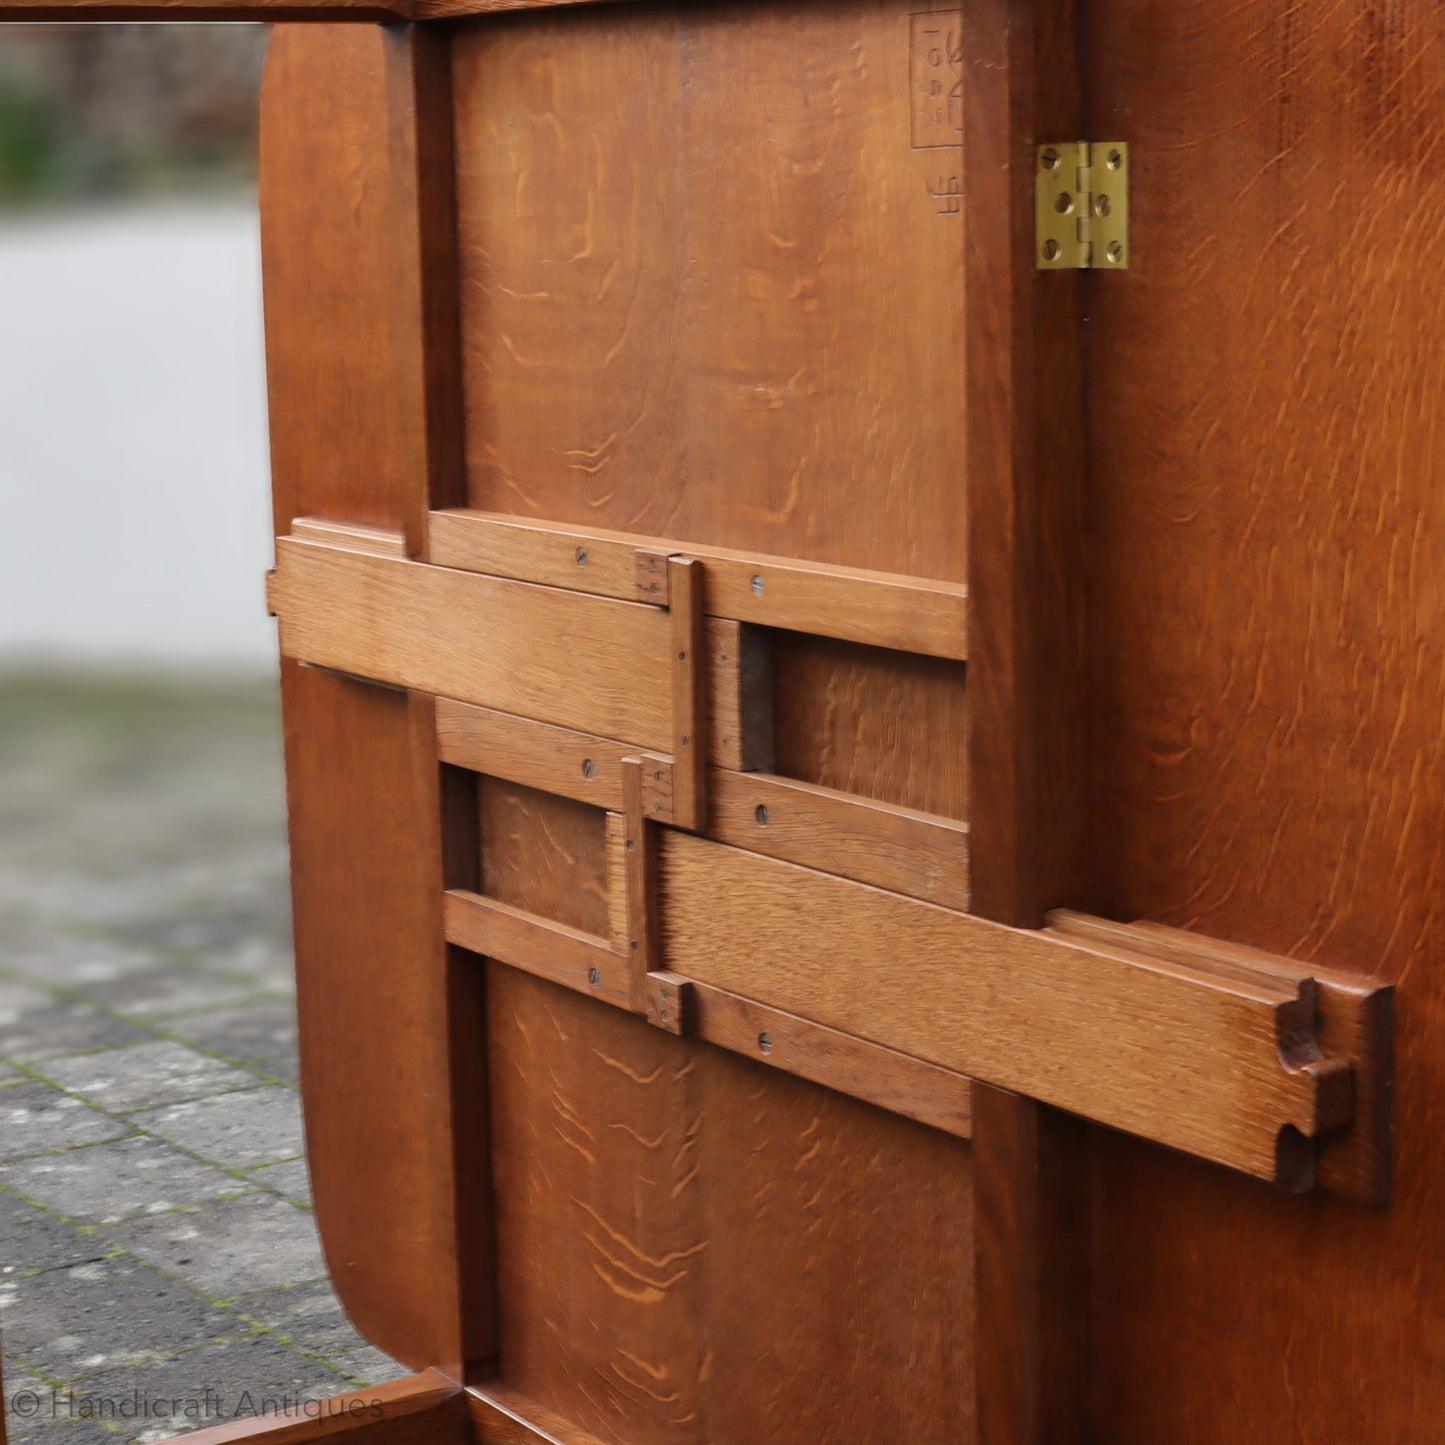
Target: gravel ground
<point x="159" y="1265"/>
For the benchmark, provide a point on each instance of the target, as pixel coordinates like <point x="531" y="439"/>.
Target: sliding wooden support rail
<point x="347" y="600"/>
<point x="813" y="930"/>
<point x="878" y="608"/>
<point x="1215" y="1060"/>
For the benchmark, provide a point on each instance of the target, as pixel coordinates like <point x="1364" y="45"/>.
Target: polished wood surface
<point x="425" y="1409"/>
<point x="1267" y="672"/>
<point x="908" y="614"/>
<point x="407" y="1245"/>
<point x="736" y="321"/>
<point x="792" y="327"/>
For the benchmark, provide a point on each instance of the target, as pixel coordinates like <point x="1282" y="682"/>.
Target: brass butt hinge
<point x="1081" y="207"/>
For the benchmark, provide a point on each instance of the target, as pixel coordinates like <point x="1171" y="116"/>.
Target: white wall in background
<point x="134" y="481"/>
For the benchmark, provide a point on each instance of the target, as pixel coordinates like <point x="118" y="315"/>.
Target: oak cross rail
<point x="818" y="931"/>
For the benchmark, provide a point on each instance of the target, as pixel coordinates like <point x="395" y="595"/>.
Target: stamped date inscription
<point x="936" y="79"/>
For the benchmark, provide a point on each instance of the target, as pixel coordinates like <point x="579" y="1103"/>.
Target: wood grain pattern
<point x="555" y="760"/>
<point x="1267" y="669"/>
<point x="541" y="946"/>
<point x="895" y="848"/>
<point x="582" y="662"/>
<point x="637" y="1294"/>
<point x="1023" y="364"/>
<point x="326" y="262"/>
<point x="426" y="338"/>
<point x="373" y="976"/>
<point x="1203" y="1062"/>
<point x="544" y="853"/>
<point x="693" y="318"/>
<point x="882" y="725"/>
<point x="408" y="1247"/>
<point x="880" y="609"/>
<point x="585" y="560"/>
<point x="425" y="1409"/>
<point x="631" y="870"/>
<point x="690" y="747"/>
<point x="1356" y="1020"/>
<point x="897" y="1082"/>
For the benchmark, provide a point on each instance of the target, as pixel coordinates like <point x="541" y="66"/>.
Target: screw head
<point x="757" y="586"/>
<point x="765" y="1044"/>
<point x="593" y="977"/>
<point x="582" y="556"/>
<point x="761" y="814"/>
<point x="589" y="768"/>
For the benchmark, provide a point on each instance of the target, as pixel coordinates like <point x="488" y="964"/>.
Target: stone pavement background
<point x="155" y="1227"/>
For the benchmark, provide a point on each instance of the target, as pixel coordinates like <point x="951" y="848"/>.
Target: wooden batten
<point x="425" y="1409"/>
<point x="895" y="848"/>
<point x="896" y="1082"/>
<point x="689" y="693"/>
<point x="880" y="609"/>
<point x="536" y="945"/>
<point x="551" y="759"/>
<point x="1174" y="1052"/>
<point x="591" y="664"/>
<point x="1356" y="1021"/>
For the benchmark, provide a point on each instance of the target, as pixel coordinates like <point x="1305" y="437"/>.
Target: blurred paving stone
<point x="310" y="1314"/>
<point x="107" y="1183"/>
<point x="293" y="1179"/>
<point x="369" y="1366"/>
<point x="16" y="1000"/>
<point x="144" y="1076"/>
<point x="253" y="1032"/>
<point x="44" y="1428"/>
<point x="234" y="1247"/>
<point x="37" y="1117"/>
<point x="71" y="1322"/>
<point x="164" y="991"/>
<point x="60" y="955"/>
<point x="47" y="1033"/>
<point x="143" y="871"/>
<point x="205" y="1386"/>
<point x="31" y="1239"/>
<point x="287" y="1068"/>
<point x="259" y="1126"/>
